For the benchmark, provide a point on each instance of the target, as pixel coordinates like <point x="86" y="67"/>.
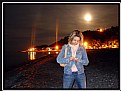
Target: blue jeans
<point x="80" y="79"/>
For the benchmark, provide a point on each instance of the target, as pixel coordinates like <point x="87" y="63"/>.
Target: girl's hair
<point x="76" y="33"/>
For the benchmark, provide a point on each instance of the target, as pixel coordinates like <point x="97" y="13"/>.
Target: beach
<point x="103" y="72"/>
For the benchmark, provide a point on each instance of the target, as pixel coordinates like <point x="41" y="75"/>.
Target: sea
<point x="14" y="59"/>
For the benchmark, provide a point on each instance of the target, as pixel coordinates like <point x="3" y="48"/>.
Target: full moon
<point x="88" y="17"/>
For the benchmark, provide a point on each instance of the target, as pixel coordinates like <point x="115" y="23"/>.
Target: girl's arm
<point x="60" y="58"/>
<point x="84" y="60"/>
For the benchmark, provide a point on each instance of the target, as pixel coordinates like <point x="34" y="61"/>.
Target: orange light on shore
<point x="85" y="44"/>
<point x="31" y="49"/>
<point x="56" y="47"/>
<point x="56" y="52"/>
<point x="101" y="30"/>
<point x="48" y="52"/>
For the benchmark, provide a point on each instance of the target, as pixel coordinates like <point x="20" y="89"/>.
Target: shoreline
<point x="102" y="73"/>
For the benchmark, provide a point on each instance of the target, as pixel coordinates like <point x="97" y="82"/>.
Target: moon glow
<point x="88" y="17"/>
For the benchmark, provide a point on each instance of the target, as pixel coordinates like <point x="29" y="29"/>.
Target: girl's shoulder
<point x="65" y="45"/>
<point x="82" y="47"/>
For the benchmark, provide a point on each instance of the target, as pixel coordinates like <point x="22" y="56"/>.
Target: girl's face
<point x="75" y="40"/>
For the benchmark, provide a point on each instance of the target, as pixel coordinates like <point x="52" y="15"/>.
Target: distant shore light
<point x="85" y="44"/>
<point x="101" y="30"/>
<point x="56" y="47"/>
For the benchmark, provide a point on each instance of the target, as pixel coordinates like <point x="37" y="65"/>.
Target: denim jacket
<point x="80" y="54"/>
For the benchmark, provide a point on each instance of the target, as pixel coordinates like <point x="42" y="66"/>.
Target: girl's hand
<point x="71" y="58"/>
<point x="74" y="59"/>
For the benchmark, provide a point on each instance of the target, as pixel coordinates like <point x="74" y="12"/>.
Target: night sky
<point x="19" y="20"/>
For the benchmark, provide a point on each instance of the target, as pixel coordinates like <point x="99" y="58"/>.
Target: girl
<point x="76" y="58"/>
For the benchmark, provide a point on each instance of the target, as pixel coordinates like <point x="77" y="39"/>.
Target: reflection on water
<point x="31" y="55"/>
